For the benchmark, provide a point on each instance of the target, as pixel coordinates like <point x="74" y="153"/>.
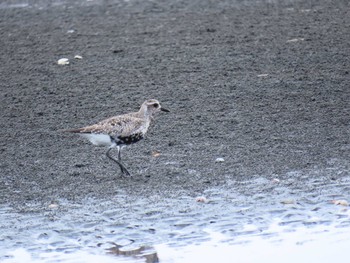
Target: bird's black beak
<point x="166" y="110"/>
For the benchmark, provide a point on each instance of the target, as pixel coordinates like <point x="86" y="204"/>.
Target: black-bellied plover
<point x="121" y="130"/>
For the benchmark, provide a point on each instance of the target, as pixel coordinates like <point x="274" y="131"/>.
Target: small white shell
<point x="155" y="153"/>
<point x="275" y="180"/>
<point x="63" y="61"/>
<point x="219" y="160"/>
<point x="288" y="202"/>
<point x="295" y="40"/>
<point x="78" y="57"/>
<point x="262" y="75"/>
<point x="201" y="199"/>
<point x="53" y="206"/>
<point x="340" y="202"/>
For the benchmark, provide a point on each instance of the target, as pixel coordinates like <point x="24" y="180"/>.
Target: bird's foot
<point x="125" y="172"/>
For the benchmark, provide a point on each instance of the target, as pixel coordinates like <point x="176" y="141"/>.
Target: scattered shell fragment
<point x="295" y="40"/>
<point x="70" y="31"/>
<point x="63" y="61"/>
<point x="78" y="57"/>
<point x="53" y="205"/>
<point x="219" y="160"/>
<point x="201" y="199"/>
<point x="155" y="153"/>
<point x="275" y="180"/>
<point x="340" y="202"/>
<point x="262" y="75"/>
<point x="288" y="202"/>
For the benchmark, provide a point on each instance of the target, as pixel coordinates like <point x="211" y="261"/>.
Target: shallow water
<point x="317" y="244"/>
<point x="272" y="216"/>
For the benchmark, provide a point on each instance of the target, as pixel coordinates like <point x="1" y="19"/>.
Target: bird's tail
<point x="71" y="130"/>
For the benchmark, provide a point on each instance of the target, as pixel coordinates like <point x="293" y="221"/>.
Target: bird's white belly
<point x="98" y="139"/>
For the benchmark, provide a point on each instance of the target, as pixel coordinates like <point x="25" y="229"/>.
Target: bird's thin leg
<point x="120" y="161"/>
<point x="122" y="167"/>
<point x="119" y="154"/>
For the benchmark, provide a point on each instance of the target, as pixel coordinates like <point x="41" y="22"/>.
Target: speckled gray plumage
<point x="124" y="125"/>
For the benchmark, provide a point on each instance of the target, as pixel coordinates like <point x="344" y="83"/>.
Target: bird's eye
<point x="156" y="105"/>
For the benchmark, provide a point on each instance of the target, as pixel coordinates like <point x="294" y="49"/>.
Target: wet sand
<point x="263" y="85"/>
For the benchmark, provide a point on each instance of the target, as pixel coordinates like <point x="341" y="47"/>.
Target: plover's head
<point x="152" y="106"/>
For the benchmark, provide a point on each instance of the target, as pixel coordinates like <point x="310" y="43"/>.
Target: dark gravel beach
<point x="264" y="85"/>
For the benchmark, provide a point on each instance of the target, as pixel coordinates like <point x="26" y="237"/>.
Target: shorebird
<point x="121" y="130"/>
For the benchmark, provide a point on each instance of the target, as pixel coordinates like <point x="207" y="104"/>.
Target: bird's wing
<point x="122" y="125"/>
